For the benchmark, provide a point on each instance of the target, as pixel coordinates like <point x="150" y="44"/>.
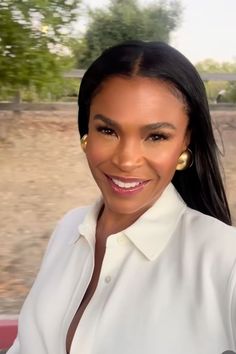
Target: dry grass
<point x="43" y="174"/>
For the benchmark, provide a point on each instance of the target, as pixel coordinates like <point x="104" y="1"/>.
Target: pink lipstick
<point x="126" y="186"/>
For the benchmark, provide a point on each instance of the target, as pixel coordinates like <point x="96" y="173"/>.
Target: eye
<point x="157" y="137"/>
<point x="106" y="131"/>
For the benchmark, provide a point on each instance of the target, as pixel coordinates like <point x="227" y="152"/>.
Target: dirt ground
<point x="43" y="173"/>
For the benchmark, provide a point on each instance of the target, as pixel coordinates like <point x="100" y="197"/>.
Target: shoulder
<point x="74" y="217"/>
<point x="67" y="227"/>
<point x="211" y="246"/>
<point x="209" y="241"/>
<point x="207" y="226"/>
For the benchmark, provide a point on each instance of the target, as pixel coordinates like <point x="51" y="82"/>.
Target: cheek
<point x="165" y="161"/>
<point x="96" y="155"/>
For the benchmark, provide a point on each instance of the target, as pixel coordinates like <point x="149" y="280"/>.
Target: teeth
<point x="125" y="185"/>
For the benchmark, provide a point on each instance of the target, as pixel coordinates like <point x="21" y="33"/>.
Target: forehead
<point x="138" y="98"/>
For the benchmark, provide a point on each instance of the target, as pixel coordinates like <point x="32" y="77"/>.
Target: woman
<point x="150" y="267"/>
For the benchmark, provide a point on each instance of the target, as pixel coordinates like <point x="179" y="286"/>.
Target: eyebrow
<point x="152" y="126"/>
<point x="106" y="120"/>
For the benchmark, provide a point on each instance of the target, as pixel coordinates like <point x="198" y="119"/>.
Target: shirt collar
<point x="88" y="227"/>
<point x="151" y="232"/>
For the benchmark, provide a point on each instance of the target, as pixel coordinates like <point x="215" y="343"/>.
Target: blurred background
<point x="45" y="46"/>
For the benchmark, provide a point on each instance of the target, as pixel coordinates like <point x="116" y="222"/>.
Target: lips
<point x="129" y="185"/>
<point x="126" y="185"/>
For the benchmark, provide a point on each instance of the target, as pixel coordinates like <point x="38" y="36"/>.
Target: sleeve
<point x="16" y="346"/>
<point x="66" y="227"/>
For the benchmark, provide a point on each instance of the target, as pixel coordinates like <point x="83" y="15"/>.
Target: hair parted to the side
<point x="200" y="186"/>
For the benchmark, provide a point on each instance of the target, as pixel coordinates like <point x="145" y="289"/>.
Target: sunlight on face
<point x="137" y="131"/>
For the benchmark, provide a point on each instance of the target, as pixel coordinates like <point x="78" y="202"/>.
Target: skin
<point x="137" y="131"/>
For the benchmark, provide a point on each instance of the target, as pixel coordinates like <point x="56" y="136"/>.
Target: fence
<point x="17" y="106"/>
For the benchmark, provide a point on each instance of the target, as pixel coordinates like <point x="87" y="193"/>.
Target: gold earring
<point x="84" y="141"/>
<point x="185" y="160"/>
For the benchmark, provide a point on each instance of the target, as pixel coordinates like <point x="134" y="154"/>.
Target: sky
<point x="207" y="29"/>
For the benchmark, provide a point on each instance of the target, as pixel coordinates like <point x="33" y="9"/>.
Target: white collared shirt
<point x="167" y="285"/>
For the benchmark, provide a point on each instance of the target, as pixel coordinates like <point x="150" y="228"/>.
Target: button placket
<point x="110" y="261"/>
<point x="107" y="267"/>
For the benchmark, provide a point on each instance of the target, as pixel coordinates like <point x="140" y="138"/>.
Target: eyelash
<point x="152" y="137"/>
<point x="157" y="137"/>
<point x="106" y="131"/>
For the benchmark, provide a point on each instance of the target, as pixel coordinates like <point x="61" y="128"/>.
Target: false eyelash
<point x="160" y="137"/>
<point x="105" y="130"/>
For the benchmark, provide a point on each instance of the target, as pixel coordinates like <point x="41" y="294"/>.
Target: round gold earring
<point x="185" y="160"/>
<point x="84" y="141"/>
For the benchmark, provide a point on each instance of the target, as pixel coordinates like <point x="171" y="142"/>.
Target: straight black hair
<point x="201" y="185"/>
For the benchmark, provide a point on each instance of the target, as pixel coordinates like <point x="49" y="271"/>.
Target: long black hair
<point x="201" y="185"/>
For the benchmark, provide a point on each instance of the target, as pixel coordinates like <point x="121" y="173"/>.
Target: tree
<point x="32" y="41"/>
<point x="126" y="20"/>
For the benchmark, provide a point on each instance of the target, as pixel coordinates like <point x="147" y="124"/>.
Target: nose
<point x="128" y="155"/>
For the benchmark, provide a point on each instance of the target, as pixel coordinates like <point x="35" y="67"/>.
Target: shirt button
<point x="107" y="279"/>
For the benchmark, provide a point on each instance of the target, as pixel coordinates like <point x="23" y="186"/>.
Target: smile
<point x="126" y="185"/>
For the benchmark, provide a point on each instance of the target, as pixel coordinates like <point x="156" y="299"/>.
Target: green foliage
<point x="32" y="42"/>
<point x="214" y="87"/>
<point x="126" y="20"/>
<point x="231" y="92"/>
<point x="59" y="90"/>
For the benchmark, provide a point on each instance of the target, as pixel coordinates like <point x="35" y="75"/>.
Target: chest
<point x="131" y="305"/>
<point x="98" y="259"/>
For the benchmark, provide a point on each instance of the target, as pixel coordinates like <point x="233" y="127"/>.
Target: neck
<point x="109" y="223"/>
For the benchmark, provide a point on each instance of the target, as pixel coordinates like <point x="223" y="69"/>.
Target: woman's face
<point x="137" y="131"/>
